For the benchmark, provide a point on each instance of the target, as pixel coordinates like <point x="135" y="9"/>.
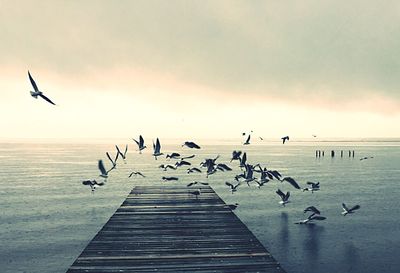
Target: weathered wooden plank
<point x="167" y="229"/>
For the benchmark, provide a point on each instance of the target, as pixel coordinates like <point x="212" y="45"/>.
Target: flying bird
<point x="314" y="187"/>
<point x="136" y="174"/>
<point x="367" y="157"/>
<point x="93" y="184"/>
<point x="157" y="149"/>
<point x="193" y="170"/>
<point x="170" y="178"/>
<point x="233" y="187"/>
<point x="37" y="92"/>
<point x="182" y="163"/>
<point x="247" y="140"/>
<point x="173" y="156"/>
<point x="113" y="161"/>
<point x="140" y="144"/>
<point x="311" y="218"/>
<point x="284" y="197"/>
<point x="103" y="171"/>
<point x="166" y="167"/>
<point x="123" y="155"/>
<point x="188" y="157"/>
<point x="284" y="139"/>
<point x="236" y="155"/>
<point x="191" y="145"/>
<point x="195" y="183"/>
<point x="346" y="210"/>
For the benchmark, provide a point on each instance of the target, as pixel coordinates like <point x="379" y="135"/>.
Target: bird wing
<point x="281" y="194"/>
<point x="118" y="150"/>
<point x="310" y="183"/>
<point x="87" y="182"/>
<point x="204" y="183"/>
<point x="126" y="150"/>
<point x="356" y="207"/>
<point x="248" y="139"/>
<point x="101" y="167"/>
<point x="33" y="82"/>
<point x="132" y="173"/>
<point x="292" y="182"/>
<point x="317" y="217"/>
<point x="46" y="99"/>
<point x="345" y="207"/>
<point x="141" y="141"/>
<point x="158" y="145"/>
<point x="109" y="157"/>
<point x="137" y="142"/>
<point x="229" y="184"/>
<point x="187" y="157"/>
<point x="287" y="195"/>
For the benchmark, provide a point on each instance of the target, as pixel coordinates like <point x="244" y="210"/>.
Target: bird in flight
<point x="93" y="184"/>
<point x="196" y="183"/>
<point x="191" y="145"/>
<point x="314" y="187"/>
<point x="136" y="174"/>
<point x="284" y="139"/>
<point x="140" y="144"/>
<point x="247" y="140"/>
<point x="157" y="149"/>
<point x="37" y="92"/>
<point x="346" y="210"/>
<point x="311" y="218"/>
<point x="284" y="197"/>
<point x="123" y="155"/>
<point x="291" y="181"/>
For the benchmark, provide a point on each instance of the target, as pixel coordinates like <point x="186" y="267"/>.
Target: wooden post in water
<point x="323" y="153"/>
<point x="332" y="153"/>
<point x="349" y="153"/>
<point x="353" y="153"/>
<point x="341" y="153"/>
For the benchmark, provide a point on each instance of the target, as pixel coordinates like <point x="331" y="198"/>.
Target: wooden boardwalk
<point x="165" y="229"/>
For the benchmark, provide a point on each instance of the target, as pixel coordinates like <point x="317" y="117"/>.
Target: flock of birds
<point x="209" y="166"/>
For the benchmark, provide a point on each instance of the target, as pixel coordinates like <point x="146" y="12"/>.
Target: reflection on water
<point x="311" y="243"/>
<point x="351" y="258"/>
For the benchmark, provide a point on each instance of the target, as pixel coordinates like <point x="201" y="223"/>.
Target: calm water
<point x="48" y="217"/>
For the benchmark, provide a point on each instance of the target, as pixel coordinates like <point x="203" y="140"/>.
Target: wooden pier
<point x="167" y="229"/>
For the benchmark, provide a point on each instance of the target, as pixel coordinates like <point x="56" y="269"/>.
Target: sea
<point x="47" y="216"/>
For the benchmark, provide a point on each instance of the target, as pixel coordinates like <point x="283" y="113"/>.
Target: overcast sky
<point x="200" y="68"/>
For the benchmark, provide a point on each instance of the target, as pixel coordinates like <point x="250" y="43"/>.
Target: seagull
<point x="136" y="174"/>
<point x="165" y="167"/>
<point x="123" y="155"/>
<point x="247" y="140"/>
<point x="103" y="171"/>
<point x="173" y="156"/>
<point x="170" y="178"/>
<point x="292" y="182"/>
<point x="37" y="92"/>
<point x="314" y="187"/>
<point x="233" y="206"/>
<point x="140" y="144"/>
<point x="195" y="183"/>
<point x="236" y="155"/>
<point x="284" y="139"/>
<point x="194" y="169"/>
<point x="93" y="184"/>
<point x="191" y="145"/>
<point x="367" y="157"/>
<point x="310" y="218"/>
<point x="182" y="163"/>
<point x="261" y="138"/>
<point x="157" y="148"/>
<point x="314" y="135"/>
<point x="223" y="167"/>
<point x="233" y="187"/>
<point x="312" y="209"/>
<point x="284" y="197"/>
<point x="346" y="210"/>
<point x="243" y="160"/>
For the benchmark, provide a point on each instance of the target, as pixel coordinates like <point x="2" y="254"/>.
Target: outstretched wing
<point x="46" y="99"/>
<point x="317" y="217"/>
<point x="292" y="182"/>
<point x="345" y="207"/>
<point x="141" y="141"/>
<point x="102" y="168"/>
<point x="33" y="82"/>
<point x="248" y="139"/>
<point x="118" y="150"/>
<point x="229" y="184"/>
<point x="158" y="145"/>
<point x="356" y="207"/>
<point x="280" y="193"/>
<point x="109" y="157"/>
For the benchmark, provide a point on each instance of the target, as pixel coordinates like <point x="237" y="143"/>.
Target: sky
<point x="200" y="69"/>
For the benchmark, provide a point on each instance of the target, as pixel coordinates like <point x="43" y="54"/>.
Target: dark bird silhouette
<point x="188" y="157"/>
<point x="196" y="183"/>
<point x="93" y="184"/>
<point x="170" y="178"/>
<point x="247" y="142"/>
<point x="193" y="170"/>
<point x="157" y="149"/>
<point x="233" y="187"/>
<point x="284" y="139"/>
<point x="314" y="187"/>
<point x="166" y="167"/>
<point x="103" y="171"/>
<point x="346" y="210"/>
<point x="223" y="167"/>
<point x="140" y="144"/>
<point x="123" y="155"/>
<point x="113" y="161"/>
<point x="311" y="218"/>
<point x="37" y="93"/>
<point x="173" y="156"/>
<point x="312" y="209"/>
<point x="367" y="157"/>
<point x="291" y="182"/>
<point x="191" y="145"/>
<point x="236" y="155"/>
<point x="136" y="174"/>
<point x="182" y="163"/>
<point x="243" y="160"/>
<point x="284" y="197"/>
<point x="261" y="138"/>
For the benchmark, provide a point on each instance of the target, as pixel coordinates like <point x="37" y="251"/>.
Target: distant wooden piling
<point x="341" y="153"/>
<point x="332" y="153"/>
<point x="167" y="229"/>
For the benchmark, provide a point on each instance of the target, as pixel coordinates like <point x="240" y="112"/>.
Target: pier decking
<point x="166" y="229"/>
